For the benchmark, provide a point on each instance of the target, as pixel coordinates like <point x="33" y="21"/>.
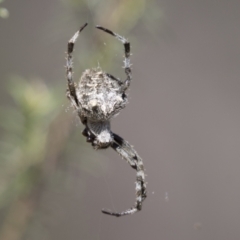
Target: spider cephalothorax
<point x="97" y="98"/>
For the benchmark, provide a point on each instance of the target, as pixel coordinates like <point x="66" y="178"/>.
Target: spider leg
<point x="89" y="136"/>
<point x="115" y="79"/>
<point x="120" y="83"/>
<point x="71" y="92"/>
<point x="127" y="65"/>
<point x="130" y="155"/>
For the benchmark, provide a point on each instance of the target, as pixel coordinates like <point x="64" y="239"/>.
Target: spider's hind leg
<point x="126" y="151"/>
<point x="127" y="65"/>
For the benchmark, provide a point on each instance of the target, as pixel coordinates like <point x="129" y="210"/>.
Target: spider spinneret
<point x="97" y="98"/>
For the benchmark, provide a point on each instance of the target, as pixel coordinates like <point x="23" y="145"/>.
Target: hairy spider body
<point x="97" y="98"/>
<point x="100" y="96"/>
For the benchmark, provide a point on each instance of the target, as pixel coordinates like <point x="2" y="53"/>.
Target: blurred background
<point x="183" y="118"/>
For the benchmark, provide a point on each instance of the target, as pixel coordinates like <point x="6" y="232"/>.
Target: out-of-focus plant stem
<point x="33" y="155"/>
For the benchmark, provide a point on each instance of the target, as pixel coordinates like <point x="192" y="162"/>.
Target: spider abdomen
<point x="100" y="96"/>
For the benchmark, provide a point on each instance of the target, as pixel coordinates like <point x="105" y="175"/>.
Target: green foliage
<point x="3" y="11"/>
<point x="25" y="129"/>
<point x="124" y="14"/>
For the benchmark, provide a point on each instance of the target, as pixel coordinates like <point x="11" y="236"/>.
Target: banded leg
<point x="86" y="133"/>
<point x="126" y="151"/>
<point x="114" y="78"/>
<point x="127" y="65"/>
<point x="71" y="93"/>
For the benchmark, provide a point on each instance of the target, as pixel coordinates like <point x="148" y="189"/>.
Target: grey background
<point x="183" y="119"/>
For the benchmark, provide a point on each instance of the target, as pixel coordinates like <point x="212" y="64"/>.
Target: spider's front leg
<point x="127" y="65"/>
<point x="71" y="92"/>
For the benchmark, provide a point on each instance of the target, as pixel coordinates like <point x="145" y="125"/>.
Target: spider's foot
<point x="127" y="212"/>
<point x="111" y="213"/>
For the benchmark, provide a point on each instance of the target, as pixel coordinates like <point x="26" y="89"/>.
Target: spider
<point x="97" y="98"/>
